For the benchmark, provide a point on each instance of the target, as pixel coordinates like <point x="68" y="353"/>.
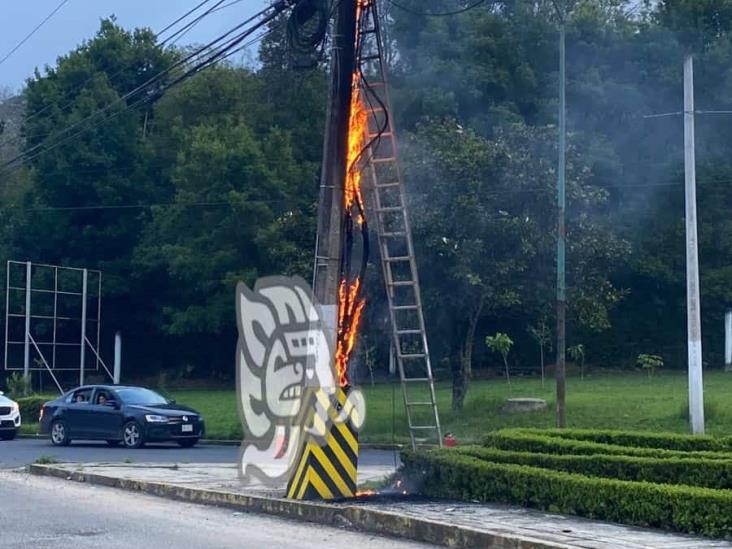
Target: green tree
<point x="542" y="335"/>
<point x="501" y="343"/>
<point x="577" y="354"/>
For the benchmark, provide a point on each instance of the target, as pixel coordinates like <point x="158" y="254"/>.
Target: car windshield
<point x="145" y="397"/>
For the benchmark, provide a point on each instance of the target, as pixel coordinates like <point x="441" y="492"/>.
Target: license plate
<point x="187" y="428"/>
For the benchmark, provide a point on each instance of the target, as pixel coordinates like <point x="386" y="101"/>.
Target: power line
<point x="146" y="86"/>
<point x="475" y="4"/>
<point x="71" y="102"/>
<point x="183" y="17"/>
<point x="180" y="33"/>
<point x="31" y="33"/>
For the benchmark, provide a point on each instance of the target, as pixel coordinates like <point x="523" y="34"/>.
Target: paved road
<point x="22" y="451"/>
<point x="49" y="513"/>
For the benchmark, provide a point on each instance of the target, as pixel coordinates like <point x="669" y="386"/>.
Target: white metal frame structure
<point x="66" y="291"/>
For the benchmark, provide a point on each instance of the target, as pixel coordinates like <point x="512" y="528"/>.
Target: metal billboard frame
<point x="27" y="315"/>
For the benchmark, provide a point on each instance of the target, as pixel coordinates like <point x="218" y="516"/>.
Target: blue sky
<point x="79" y="20"/>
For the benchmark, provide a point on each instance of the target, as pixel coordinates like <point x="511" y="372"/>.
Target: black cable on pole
<point x="31" y="33"/>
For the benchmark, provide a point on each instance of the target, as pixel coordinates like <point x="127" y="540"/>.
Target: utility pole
<point x="560" y="370"/>
<point x="696" y="389"/>
<point x="329" y="245"/>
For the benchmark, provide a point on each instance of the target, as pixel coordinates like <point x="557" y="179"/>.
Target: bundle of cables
<point x="306" y="30"/>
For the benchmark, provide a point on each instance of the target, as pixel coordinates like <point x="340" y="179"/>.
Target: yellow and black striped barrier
<point x="327" y="471"/>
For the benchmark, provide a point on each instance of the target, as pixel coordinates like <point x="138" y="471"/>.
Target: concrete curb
<point x="357" y="517"/>
<point x="216" y="442"/>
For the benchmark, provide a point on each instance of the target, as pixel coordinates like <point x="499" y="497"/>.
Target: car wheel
<point x="60" y="433"/>
<point x="132" y="435"/>
<point x="8" y="436"/>
<point x="188" y="442"/>
<point x="114" y="443"/>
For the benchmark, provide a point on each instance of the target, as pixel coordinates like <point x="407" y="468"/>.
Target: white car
<point x="9" y="418"/>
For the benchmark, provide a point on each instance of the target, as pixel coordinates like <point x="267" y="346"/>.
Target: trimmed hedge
<point x="522" y="441"/>
<point x="709" y="473"/>
<point x="666" y="441"/>
<point x="689" y="509"/>
<point x="30" y="408"/>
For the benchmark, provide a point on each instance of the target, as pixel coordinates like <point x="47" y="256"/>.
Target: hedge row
<point x="709" y="473"/>
<point x="666" y="441"/>
<point x="522" y="441"/>
<point x="683" y="508"/>
<point x="30" y="408"/>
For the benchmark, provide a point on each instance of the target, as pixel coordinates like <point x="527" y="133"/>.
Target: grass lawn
<point x="620" y="401"/>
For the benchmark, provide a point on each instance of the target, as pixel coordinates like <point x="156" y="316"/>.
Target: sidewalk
<point x="445" y="523"/>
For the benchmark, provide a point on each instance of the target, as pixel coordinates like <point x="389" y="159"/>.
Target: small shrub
<point x="650" y="363"/>
<point x="46" y="460"/>
<point x="18" y="385"/>
<point x="30" y="408"/>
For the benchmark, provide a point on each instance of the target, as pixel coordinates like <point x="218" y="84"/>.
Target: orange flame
<point x="350" y="304"/>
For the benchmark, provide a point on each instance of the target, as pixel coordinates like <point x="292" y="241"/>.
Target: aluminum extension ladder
<point x="383" y="175"/>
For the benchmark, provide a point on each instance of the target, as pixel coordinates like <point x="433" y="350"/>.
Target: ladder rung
<point x="416" y="379"/>
<point x="423" y="427"/>
<point x="389" y="209"/>
<point x="390" y="184"/>
<point x="402" y="283"/>
<point x="404" y="307"/>
<point x="413" y="355"/>
<point x="408" y="332"/>
<point x="397" y="259"/>
<point x="383" y="160"/>
<point x="419" y="403"/>
<point x="393" y="234"/>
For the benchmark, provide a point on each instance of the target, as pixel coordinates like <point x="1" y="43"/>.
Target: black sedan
<point x="128" y="415"/>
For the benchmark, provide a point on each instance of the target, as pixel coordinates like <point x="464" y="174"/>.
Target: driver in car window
<point x="79" y="397"/>
<point x="102" y="400"/>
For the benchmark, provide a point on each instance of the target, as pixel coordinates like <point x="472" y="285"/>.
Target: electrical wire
<point x="31" y="33"/>
<point x="72" y="101"/>
<point x="438" y="14"/>
<point x="180" y="33"/>
<point x="174" y="23"/>
<point x="146" y="86"/>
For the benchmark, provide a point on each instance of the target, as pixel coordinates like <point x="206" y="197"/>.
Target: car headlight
<point x="14" y="408"/>
<point x="150" y="418"/>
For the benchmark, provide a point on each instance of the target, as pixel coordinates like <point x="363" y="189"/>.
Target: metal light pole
<point x="560" y="372"/>
<point x="696" y="389"/>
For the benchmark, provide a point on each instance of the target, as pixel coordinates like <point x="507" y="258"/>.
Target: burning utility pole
<point x="360" y="143"/>
<point x="330" y="471"/>
<point x="335" y="150"/>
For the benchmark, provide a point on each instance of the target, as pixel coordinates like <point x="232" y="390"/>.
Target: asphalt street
<point x="22" y="451"/>
<point x="46" y="513"/>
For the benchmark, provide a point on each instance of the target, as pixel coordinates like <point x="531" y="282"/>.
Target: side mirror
<point x="1" y="393"/>
<point x="112" y="404"/>
<point x="171" y="401"/>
